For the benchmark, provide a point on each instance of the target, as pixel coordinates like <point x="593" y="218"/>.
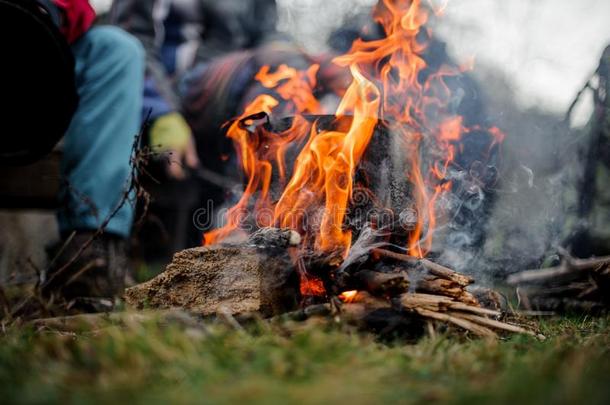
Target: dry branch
<point x="472" y="318"/>
<point x="458" y="306"/>
<point x="432" y="302"/>
<point x="581" y="285"/>
<point x="434" y="268"/>
<point x="492" y="323"/>
<point x="463" y="323"/>
<point x="567" y="267"/>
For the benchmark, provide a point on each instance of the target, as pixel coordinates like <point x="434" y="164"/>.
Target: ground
<point x="156" y="362"/>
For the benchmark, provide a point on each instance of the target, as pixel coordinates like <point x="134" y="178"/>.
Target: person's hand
<point x="171" y="134"/>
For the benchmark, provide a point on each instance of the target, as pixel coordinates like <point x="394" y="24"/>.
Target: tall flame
<point x="386" y="84"/>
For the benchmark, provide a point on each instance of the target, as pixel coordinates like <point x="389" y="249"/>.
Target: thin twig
<point x="462" y="323"/>
<point x="566" y="267"/>
<point x="492" y="323"/>
<point x="100" y="230"/>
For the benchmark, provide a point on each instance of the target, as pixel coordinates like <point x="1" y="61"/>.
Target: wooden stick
<point x="434" y="268"/>
<point x="463" y="323"/>
<point x="439" y="303"/>
<point x="566" y="267"/>
<point x="492" y="323"/>
<point x="532" y="313"/>
<point x="459" y="306"/>
<point x="371" y="302"/>
<point x="410" y="301"/>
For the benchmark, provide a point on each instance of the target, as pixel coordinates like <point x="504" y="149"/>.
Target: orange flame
<point x="292" y="85"/>
<point x="386" y="84"/>
<point x="312" y="286"/>
<point x="324" y="169"/>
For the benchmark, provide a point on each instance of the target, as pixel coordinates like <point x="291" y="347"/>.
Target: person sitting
<point x="96" y="151"/>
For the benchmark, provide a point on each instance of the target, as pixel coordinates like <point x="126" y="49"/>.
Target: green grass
<point x="151" y="363"/>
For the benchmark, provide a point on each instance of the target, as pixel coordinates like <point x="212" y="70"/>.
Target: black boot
<point x="95" y="278"/>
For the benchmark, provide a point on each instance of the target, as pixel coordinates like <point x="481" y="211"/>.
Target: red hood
<point x="78" y="16"/>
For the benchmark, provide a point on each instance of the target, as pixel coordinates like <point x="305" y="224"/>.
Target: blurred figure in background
<point x="179" y="35"/>
<point x="200" y="62"/>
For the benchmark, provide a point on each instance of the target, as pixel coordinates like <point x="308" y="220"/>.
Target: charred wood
<point x="386" y="284"/>
<point x="275" y="237"/>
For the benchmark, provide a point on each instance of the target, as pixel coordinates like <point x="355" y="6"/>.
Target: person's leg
<point x="96" y="167"/>
<point x="97" y="146"/>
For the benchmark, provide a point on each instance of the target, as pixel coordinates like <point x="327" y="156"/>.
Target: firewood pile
<point x="384" y="292"/>
<point x="575" y="285"/>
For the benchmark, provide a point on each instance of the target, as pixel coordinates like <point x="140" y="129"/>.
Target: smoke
<point x="310" y="22"/>
<point x="529" y="65"/>
<point x="546" y="48"/>
<point x="367" y="240"/>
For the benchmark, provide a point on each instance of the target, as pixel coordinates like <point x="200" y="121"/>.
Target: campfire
<point x="346" y="213"/>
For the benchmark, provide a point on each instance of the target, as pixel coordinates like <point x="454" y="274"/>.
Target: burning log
<point x="380" y="162"/>
<point x="362" y="307"/>
<point x="234" y="278"/>
<point x="439" y="279"/>
<point x="274" y="238"/>
<point x="378" y="315"/>
<point x="258" y="277"/>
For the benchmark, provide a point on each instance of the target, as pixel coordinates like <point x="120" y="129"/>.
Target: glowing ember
<point x="348" y="296"/>
<point x="312" y="286"/>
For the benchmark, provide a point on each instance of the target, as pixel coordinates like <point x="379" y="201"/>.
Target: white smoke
<point x="311" y="22"/>
<point x="547" y="48"/>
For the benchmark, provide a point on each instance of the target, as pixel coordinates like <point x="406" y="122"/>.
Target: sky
<point x="546" y="48"/>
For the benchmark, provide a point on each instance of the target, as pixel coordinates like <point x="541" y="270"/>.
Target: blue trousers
<point x="98" y="144"/>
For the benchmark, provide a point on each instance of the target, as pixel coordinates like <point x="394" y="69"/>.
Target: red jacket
<point x="78" y="16"/>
